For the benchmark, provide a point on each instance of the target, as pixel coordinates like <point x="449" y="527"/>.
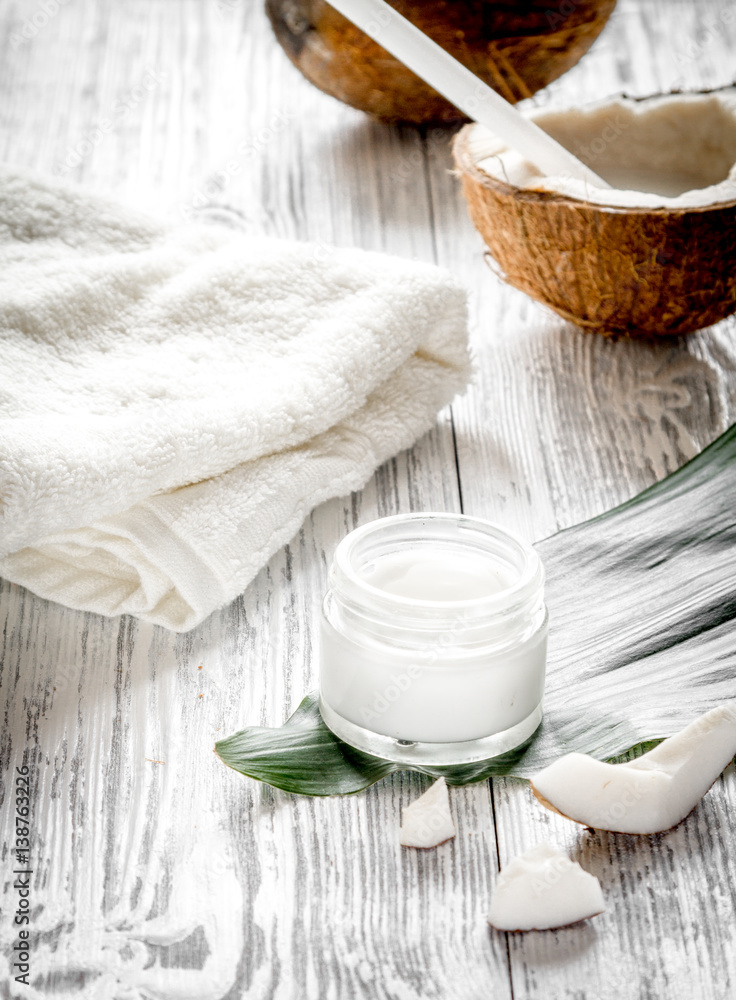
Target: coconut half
<point x="542" y="890"/>
<point x="650" y="794"/>
<point x="427" y="822"/>
<point x="655" y="254"/>
<point x="516" y="48"/>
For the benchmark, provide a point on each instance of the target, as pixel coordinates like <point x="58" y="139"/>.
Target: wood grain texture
<point x="157" y="872"/>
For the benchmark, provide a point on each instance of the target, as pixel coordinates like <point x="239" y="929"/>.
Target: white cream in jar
<point x="434" y="639"/>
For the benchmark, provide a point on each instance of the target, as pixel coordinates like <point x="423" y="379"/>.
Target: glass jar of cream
<point x="434" y="639"/>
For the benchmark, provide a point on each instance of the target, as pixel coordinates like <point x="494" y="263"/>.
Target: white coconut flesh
<point x="675" y="151"/>
<point x="650" y="794"/>
<point x="427" y="822"/>
<point x="542" y="890"/>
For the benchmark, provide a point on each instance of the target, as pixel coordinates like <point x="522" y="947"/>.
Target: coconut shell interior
<point x="618" y="262"/>
<point x="516" y="46"/>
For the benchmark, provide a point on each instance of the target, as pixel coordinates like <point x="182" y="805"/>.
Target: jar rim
<point x="528" y="584"/>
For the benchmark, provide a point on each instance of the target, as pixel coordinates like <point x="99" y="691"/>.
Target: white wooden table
<point x="157" y="871"/>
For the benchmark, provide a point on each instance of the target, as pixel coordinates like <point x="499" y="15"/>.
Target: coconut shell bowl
<point x="655" y="254"/>
<point x="515" y="46"/>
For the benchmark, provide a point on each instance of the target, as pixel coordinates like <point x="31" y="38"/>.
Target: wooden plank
<point x="559" y="427"/>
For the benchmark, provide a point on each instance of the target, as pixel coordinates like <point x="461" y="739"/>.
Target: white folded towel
<point x="174" y="401"/>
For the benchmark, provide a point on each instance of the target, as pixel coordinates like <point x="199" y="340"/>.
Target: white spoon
<point x="463" y="89"/>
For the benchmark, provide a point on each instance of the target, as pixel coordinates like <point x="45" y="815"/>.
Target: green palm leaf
<point x="642" y="603"/>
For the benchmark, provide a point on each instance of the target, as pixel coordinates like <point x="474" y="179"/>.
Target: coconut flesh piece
<point x="650" y="794"/>
<point x="427" y="822"/>
<point x="674" y="151"/>
<point x="542" y="890"/>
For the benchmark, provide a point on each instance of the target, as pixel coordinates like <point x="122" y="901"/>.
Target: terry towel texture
<point x="174" y="401"/>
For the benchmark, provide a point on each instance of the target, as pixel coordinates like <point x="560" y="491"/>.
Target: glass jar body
<point x="433" y="681"/>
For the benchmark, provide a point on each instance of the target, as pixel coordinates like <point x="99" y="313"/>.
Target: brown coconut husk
<point x="639" y="272"/>
<point x="515" y="46"/>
